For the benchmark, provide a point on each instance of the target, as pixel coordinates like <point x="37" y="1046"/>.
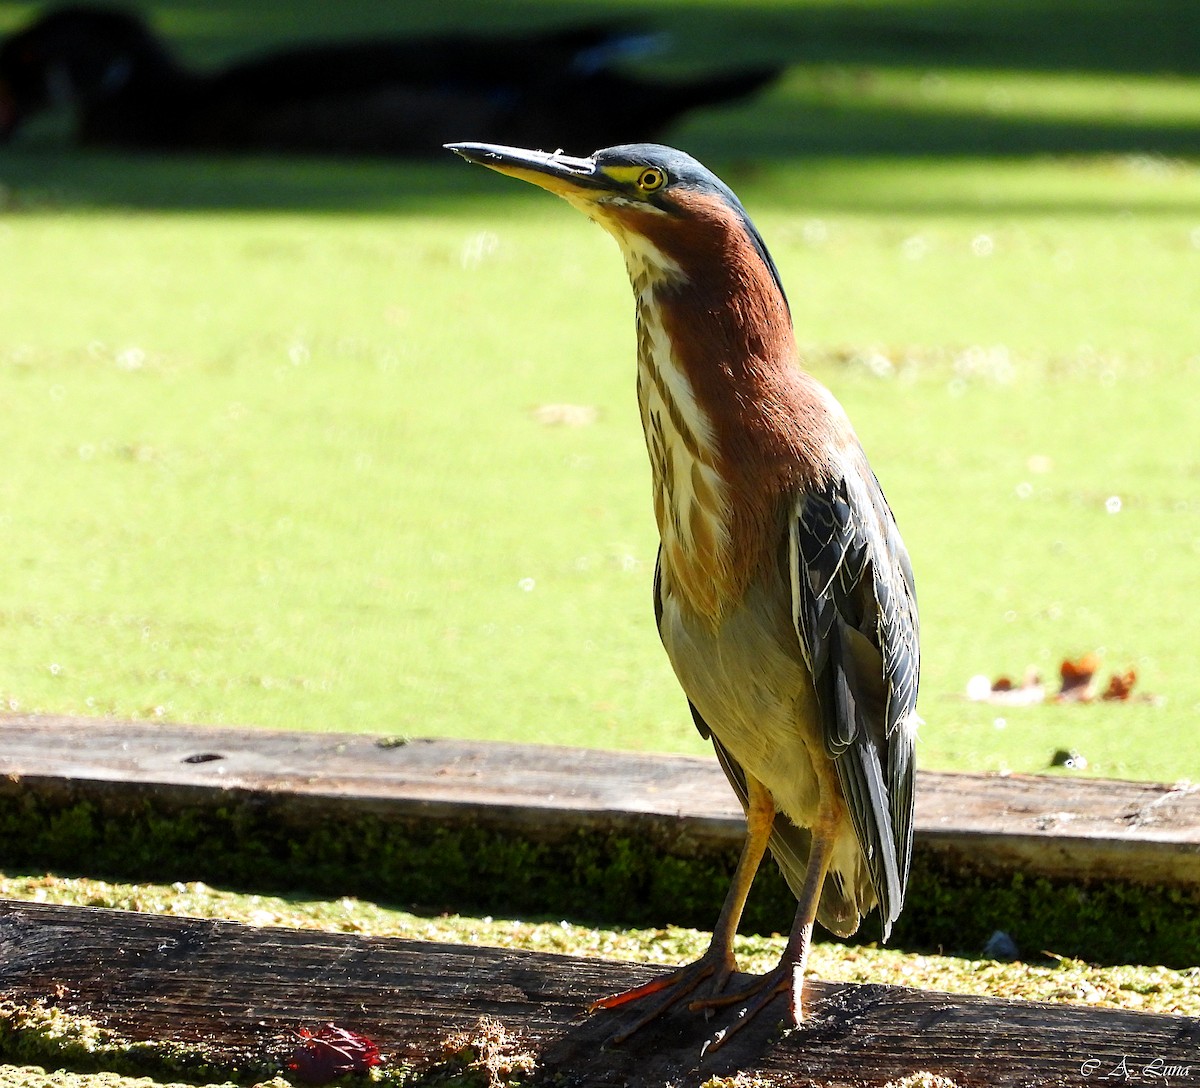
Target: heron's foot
<point x="787" y="978"/>
<point x="713" y="969"/>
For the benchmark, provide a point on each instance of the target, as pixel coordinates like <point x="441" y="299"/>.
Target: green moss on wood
<point x="36" y="1037"/>
<point x="613" y="874"/>
<point x="954" y="907"/>
<point x="46" y="1036"/>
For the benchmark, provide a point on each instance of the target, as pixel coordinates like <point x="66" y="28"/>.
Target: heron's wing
<point x="855" y="611"/>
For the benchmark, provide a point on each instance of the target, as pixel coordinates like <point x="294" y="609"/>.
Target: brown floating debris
<point x="1078" y="683"/>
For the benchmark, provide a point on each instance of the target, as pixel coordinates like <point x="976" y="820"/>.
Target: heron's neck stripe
<point x="649" y="364"/>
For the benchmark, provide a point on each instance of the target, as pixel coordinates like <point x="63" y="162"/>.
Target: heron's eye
<point x="650" y="179"/>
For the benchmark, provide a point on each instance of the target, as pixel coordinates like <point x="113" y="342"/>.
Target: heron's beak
<point x="563" y="175"/>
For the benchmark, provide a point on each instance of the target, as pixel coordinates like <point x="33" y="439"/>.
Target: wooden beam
<point x="1106" y="871"/>
<point x="1054" y="826"/>
<point x="239" y="991"/>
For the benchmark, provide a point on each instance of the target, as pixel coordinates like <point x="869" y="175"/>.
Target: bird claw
<point x="678" y="985"/>
<point x="757" y="996"/>
<point x="762" y="988"/>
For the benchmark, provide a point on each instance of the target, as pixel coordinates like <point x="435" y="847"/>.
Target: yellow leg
<point x="795" y="953"/>
<point x="718" y="962"/>
<point x="788" y="975"/>
<point x="760" y="818"/>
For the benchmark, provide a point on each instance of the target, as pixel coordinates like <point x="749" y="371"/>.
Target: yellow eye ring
<point x="651" y="179"/>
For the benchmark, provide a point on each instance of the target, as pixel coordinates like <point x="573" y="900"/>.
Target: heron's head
<point x="662" y="206"/>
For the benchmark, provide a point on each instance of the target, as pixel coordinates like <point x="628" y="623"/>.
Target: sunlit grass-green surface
<point x="272" y="454"/>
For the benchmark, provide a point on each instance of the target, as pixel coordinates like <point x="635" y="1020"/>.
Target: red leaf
<point x="331" y="1052"/>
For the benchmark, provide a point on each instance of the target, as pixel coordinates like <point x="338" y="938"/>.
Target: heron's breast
<point x="748" y="680"/>
<point x="691" y="501"/>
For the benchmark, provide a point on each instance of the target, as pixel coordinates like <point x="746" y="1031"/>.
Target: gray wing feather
<point x="854" y="605"/>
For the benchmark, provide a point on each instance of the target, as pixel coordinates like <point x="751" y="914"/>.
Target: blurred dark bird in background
<point x="399" y="96"/>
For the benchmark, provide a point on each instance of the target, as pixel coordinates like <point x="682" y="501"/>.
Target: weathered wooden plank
<point x="240" y="991"/>
<point x="1053" y="826"/>
<point x="596" y="836"/>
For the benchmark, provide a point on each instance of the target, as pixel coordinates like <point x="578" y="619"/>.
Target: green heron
<point x="783" y="593"/>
